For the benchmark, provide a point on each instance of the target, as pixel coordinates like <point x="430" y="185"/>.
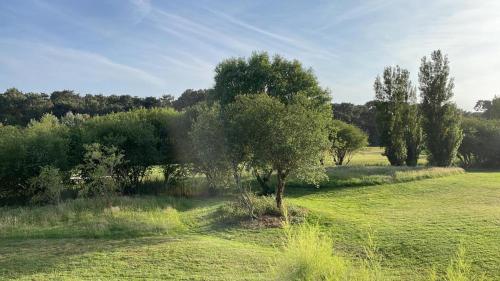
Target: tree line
<point x="265" y="116"/>
<point x="18" y="108"/>
<point x="435" y="125"/>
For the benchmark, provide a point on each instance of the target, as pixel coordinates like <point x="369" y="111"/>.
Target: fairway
<point x="416" y="225"/>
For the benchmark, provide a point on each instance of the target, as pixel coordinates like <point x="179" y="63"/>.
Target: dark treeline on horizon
<point x="18" y="108"/>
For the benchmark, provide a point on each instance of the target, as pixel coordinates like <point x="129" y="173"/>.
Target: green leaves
<point x="396" y="100"/>
<point x="345" y="139"/>
<point x="441" y="120"/>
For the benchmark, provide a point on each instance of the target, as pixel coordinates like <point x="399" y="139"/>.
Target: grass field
<point x="418" y="219"/>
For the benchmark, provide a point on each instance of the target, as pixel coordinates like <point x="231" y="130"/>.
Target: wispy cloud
<point x="299" y="43"/>
<point x="64" y="67"/>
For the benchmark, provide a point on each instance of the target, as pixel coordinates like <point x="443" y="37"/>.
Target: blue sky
<point x="151" y="48"/>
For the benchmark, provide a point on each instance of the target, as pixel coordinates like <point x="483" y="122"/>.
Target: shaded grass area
<point x="416" y="225"/>
<point x="192" y="257"/>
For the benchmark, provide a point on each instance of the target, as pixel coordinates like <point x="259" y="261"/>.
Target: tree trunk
<point x="280" y="189"/>
<point x="264" y="181"/>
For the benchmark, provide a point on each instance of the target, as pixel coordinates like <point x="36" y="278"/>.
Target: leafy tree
<point x="47" y="186"/>
<point x="288" y="138"/>
<point x="413" y="130"/>
<point x="277" y="77"/>
<point x="490" y="109"/>
<point x="143" y="135"/>
<point x="24" y="151"/>
<point x="345" y="140"/>
<point x="391" y="95"/>
<point x="441" y="120"/>
<point x="65" y="101"/>
<point x="362" y="116"/>
<point x="17" y="108"/>
<point x="189" y="98"/>
<point x="209" y="147"/>
<point x="99" y="170"/>
<point x="479" y="146"/>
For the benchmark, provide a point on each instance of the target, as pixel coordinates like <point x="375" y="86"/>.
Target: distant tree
<point x="345" y="140"/>
<point x="482" y="105"/>
<point x="391" y="94"/>
<point x="441" y="119"/>
<point x="65" y="101"/>
<point x="413" y="133"/>
<point x="167" y="101"/>
<point x="143" y="135"/>
<point x="493" y="110"/>
<point x="151" y="102"/>
<point x="190" y="98"/>
<point x="362" y="116"/>
<point x="479" y="146"/>
<point x="47" y="186"/>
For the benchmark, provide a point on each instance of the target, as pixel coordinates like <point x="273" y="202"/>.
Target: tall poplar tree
<point x="441" y="119"/>
<point x="391" y="94"/>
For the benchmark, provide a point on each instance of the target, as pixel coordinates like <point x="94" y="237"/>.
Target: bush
<point x="345" y="140"/>
<point x="24" y="151"/>
<point x="480" y="146"/>
<point x="308" y="255"/>
<point x="47" y="186"/>
<point x="99" y="170"/>
<point x="144" y="136"/>
<point x="252" y="206"/>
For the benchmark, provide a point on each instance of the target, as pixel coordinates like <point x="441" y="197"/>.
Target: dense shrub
<point x="24" y="151"/>
<point x="142" y="135"/>
<point x="345" y="140"/>
<point x="481" y="143"/>
<point x="47" y="186"/>
<point x="99" y="170"/>
<point x="252" y="206"/>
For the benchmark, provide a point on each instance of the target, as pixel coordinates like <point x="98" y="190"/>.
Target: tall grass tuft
<point x="96" y="217"/>
<point x="308" y="255"/>
<point x="458" y="270"/>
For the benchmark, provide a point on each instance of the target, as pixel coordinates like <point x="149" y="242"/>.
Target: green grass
<point x="418" y="218"/>
<point x="372" y="156"/>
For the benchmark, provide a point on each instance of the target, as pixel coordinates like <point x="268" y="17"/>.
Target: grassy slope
<point x="416" y="225"/>
<point x="419" y="224"/>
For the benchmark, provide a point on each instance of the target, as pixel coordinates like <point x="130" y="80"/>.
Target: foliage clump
<point x="345" y="140"/>
<point x="441" y="119"/>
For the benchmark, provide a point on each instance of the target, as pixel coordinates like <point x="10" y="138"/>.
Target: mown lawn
<point x="416" y="225"/>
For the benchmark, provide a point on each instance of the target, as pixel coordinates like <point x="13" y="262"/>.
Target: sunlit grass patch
<point x="373" y="175"/>
<point x="308" y="255"/>
<point x="95" y="217"/>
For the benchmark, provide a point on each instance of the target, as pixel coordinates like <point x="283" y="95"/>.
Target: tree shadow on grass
<point x="22" y="258"/>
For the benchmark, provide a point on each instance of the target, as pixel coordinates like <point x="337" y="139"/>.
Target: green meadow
<point x="416" y="220"/>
